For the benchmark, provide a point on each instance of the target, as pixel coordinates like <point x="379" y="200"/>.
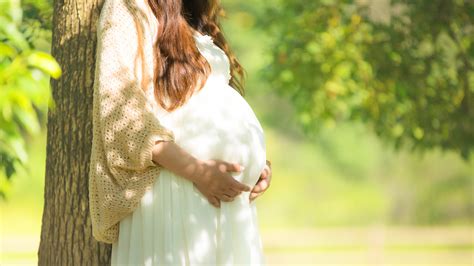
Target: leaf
<point x="18" y="146"/>
<point x="45" y="62"/>
<point x="6" y="50"/>
<point x="28" y="120"/>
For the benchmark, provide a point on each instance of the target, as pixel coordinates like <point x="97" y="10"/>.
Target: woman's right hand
<point x="210" y="177"/>
<point x="216" y="183"/>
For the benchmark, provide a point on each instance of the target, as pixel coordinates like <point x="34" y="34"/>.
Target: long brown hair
<point x="179" y="66"/>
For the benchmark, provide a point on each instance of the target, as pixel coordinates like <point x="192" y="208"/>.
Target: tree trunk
<point x="66" y="233"/>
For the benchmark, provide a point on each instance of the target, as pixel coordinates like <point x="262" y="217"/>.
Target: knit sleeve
<point x="128" y="126"/>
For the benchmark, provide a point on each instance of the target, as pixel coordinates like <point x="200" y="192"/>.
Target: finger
<point x="241" y="187"/>
<point x="253" y="196"/>
<point x="269" y="174"/>
<point x="226" y="198"/>
<point x="214" y="201"/>
<point x="257" y="187"/>
<point x="264" y="173"/>
<point x="232" y="192"/>
<point x="234" y="167"/>
<point x="261" y="186"/>
<point x="235" y="188"/>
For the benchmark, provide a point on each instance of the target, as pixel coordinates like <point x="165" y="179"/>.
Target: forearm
<point x="175" y="159"/>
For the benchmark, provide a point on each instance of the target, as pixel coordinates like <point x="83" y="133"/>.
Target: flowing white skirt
<point x="176" y="225"/>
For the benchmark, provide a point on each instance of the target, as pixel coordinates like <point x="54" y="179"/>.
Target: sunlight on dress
<point x="175" y="224"/>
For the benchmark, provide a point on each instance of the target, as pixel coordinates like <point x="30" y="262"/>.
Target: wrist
<point x="155" y="152"/>
<point x="197" y="171"/>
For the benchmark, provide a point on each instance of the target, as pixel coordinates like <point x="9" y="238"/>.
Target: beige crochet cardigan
<point x="125" y="128"/>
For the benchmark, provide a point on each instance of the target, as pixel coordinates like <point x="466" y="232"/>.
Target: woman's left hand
<point x="263" y="182"/>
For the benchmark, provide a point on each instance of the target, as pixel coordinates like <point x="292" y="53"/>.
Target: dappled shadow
<point x="216" y="123"/>
<point x="179" y="223"/>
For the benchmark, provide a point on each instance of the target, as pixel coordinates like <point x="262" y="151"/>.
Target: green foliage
<point x="24" y="86"/>
<point x="408" y="74"/>
<point x="38" y="13"/>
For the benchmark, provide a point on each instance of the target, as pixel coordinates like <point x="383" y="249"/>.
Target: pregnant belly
<point x="217" y="123"/>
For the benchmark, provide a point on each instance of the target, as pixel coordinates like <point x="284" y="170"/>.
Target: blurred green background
<point x="367" y="109"/>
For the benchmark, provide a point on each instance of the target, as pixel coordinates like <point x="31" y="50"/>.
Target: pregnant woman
<point x="178" y="155"/>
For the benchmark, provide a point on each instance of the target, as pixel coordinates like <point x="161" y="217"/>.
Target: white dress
<point x="175" y="224"/>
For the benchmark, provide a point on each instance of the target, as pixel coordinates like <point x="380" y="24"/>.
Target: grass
<point x="331" y="246"/>
<point x="337" y="187"/>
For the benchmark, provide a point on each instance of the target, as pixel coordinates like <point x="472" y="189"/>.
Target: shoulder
<point x="125" y="14"/>
<point x="113" y="12"/>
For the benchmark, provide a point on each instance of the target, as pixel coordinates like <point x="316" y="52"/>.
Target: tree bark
<point x="66" y="233"/>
